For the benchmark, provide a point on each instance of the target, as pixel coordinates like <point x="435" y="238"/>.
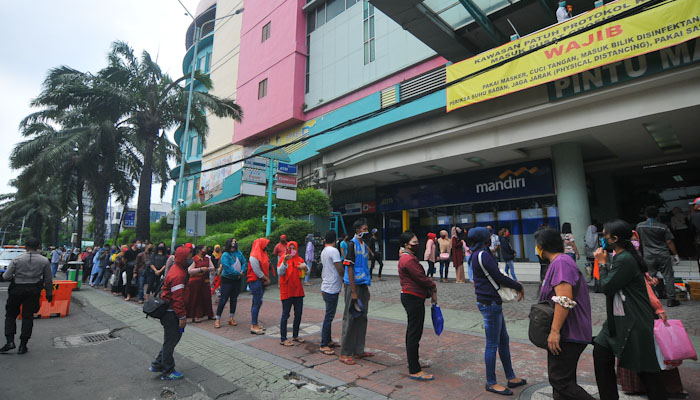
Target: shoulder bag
<point x="155" y="306"/>
<point x="507" y="294"/>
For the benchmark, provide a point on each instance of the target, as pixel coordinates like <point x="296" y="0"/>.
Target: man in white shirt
<point x="332" y="276"/>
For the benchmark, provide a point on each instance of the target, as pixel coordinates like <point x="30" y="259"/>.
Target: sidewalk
<point x="456" y="357"/>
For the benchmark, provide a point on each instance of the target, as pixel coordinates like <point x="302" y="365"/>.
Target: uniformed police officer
<point x="27" y="273"/>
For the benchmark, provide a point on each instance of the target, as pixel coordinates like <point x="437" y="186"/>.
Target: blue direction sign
<point x="286" y="168"/>
<point x="130" y="219"/>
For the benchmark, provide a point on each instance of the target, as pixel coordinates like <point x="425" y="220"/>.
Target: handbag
<point x="438" y="320"/>
<point x="507" y="294"/>
<point x="444" y="256"/>
<point x="541" y="317"/>
<point x="673" y="341"/>
<point x="155" y="307"/>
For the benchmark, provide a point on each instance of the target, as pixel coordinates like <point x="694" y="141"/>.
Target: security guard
<point x="28" y="273"/>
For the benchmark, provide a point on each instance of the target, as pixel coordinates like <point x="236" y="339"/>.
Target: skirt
<point x="198" y="298"/>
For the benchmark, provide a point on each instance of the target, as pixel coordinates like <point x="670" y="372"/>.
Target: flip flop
<point x="333" y="344"/>
<point x="366" y="354"/>
<point x="298" y="340"/>
<point x="287" y="343"/>
<point x="257" y="332"/>
<point x="347" y="361"/>
<point x="422" y="377"/>
<point x="328" y="352"/>
<point x="424" y="366"/>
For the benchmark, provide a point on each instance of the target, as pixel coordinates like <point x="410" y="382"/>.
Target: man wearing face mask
<point x="357" y="281"/>
<point x="130" y="259"/>
<point x="142" y="261"/>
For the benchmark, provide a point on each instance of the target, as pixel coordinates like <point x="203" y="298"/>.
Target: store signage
<point x="353" y="208"/>
<point x="286" y="194"/>
<point x="368" y="208"/>
<point x="527" y="179"/>
<point x="636" y="67"/>
<point x="252" y="189"/>
<point x="285" y="168"/>
<point x="360" y="208"/>
<point x="257" y="163"/>
<point x="254" y="175"/>
<point x="667" y="24"/>
<point x="286" y="181"/>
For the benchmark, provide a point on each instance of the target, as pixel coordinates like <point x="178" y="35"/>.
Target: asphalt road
<point x="112" y="369"/>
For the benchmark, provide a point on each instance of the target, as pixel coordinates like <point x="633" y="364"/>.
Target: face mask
<point x="539" y="251"/>
<point x="293" y="253"/>
<point x="606" y="244"/>
<point x="365" y="236"/>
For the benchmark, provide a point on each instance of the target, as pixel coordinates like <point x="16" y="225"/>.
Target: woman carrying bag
<point x="490" y="305"/>
<point x="571" y="329"/>
<point x="232" y="267"/>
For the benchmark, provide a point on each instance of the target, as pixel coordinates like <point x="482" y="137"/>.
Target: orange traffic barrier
<point x="60" y="306"/>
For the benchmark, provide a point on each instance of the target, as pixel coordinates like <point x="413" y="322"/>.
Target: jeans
<point x="331" y="300"/>
<point x="97" y="274"/>
<point x="415" y="311"/>
<point x="230" y="289"/>
<point x="662" y="265"/>
<point x="141" y="282"/>
<point x="470" y="271"/>
<point x="128" y="288"/>
<point x="511" y="267"/>
<point x="308" y="273"/>
<point x="165" y="361"/>
<point x="444" y="264"/>
<point x="354" y="328"/>
<point x="377" y="258"/>
<point x="496" y="340"/>
<point x="54" y="268"/>
<point x="604" y="366"/>
<point x="562" y="372"/>
<point x="256" y="289"/>
<point x="431" y="268"/>
<point x="287" y="304"/>
<point x="105" y="277"/>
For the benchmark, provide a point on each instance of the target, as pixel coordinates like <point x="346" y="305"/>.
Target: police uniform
<point x="28" y="273"/>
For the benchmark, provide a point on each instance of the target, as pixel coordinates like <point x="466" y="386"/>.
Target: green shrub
<point x="250" y="227"/>
<point x="294" y="229"/>
<point x="213" y="240"/>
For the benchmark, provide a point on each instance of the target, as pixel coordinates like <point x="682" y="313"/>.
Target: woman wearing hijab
<point x="458" y="254"/>
<point x="430" y="253"/>
<point x="308" y="257"/>
<point x="444" y="245"/>
<point x="258" y="277"/>
<point x="490" y="305"/>
<point x="216" y="256"/>
<point x="232" y="267"/>
<point x="289" y="270"/>
<point x="198" y="290"/>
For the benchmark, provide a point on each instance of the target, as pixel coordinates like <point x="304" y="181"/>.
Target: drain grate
<point x="85" y="339"/>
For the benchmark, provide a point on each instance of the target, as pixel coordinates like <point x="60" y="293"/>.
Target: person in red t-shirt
<point x="289" y="268"/>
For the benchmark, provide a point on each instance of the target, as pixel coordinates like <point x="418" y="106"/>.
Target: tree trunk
<point x="101" y="191"/>
<point x="81" y="208"/>
<point x="143" y="208"/>
<point x="36" y="225"/>
<point x="119" y="227"/>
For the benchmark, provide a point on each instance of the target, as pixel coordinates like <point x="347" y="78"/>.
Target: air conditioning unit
<point x="320" y="174"/>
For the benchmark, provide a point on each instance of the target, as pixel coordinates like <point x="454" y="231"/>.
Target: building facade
<point x="366" y="83"/>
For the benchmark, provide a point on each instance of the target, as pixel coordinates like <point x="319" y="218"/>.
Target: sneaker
<point x="173" y="376"/>
<point x="154" y="369"/>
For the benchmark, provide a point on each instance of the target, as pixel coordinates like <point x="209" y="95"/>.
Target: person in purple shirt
<point x="490" y="305"/>
<point x="571" y="328"/>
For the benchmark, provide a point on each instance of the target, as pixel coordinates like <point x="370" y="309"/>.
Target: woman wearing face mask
<point x="156" y="269"/>
<point x="490" y="305"/>
<point x="415" y="288"/>
<point x="198" y="290"/>
<point x="444" y="245"/>
<point x="258" y="277"/>
<point x="430" y="253"/>
<point x="628" y="332"/>
<point x="289" y="271"/>
<point x="232" y="267"/>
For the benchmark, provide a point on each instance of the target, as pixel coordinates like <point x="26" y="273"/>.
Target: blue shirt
<point x="228" y="259"/>
<point x="357" y="256"/>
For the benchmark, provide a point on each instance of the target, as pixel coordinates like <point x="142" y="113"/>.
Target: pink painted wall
<point x="398" y="77"/>
<point x="280" y="60"/>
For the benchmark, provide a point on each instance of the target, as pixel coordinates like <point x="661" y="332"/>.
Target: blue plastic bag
<point x="438" y="321"/>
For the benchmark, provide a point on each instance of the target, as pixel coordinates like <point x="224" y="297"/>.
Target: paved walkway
<point x="266" y="369"/>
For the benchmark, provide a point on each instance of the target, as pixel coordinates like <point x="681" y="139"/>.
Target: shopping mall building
<point x="593" y="135"/>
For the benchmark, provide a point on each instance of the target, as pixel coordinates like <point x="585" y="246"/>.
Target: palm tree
<point x="34" y="199"/>
<point x="153" y="103"/>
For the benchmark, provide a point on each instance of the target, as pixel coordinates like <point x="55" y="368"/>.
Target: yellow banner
<point x="668" y="24"/>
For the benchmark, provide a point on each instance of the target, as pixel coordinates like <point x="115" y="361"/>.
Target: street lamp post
<point x="197" y="36"/>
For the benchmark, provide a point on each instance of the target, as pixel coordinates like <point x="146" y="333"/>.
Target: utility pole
<point x="21" y="231"/>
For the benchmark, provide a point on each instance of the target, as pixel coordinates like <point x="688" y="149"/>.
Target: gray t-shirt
<point x="332" y="281"/>
<point x="653" y="236"/>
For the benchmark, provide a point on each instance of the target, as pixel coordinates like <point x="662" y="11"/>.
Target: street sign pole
<point x="270" y="192"/>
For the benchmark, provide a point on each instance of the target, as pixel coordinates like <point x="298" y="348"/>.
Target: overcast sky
<point x="42" y="34"/>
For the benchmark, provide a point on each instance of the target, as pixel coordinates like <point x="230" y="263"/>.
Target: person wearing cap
<point x="357" y="282"/>
<point x="695" y="226"/>
<point x="415" y="288"/>
<point x="28" y="274"/>
<point x="659" y="251"/>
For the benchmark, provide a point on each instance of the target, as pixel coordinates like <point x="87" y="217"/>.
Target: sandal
<point x="422" y="376"/>
<point x="333" y="344"/>
<point x="257" y="332"/>
<point x="327" y="351"/>
<point x="287" y="343"/>
<point x="298" y="340"/>
<point x="366" y="354"/>
<point x="504" y="392"/>
<point x="347" y="361"/>
<point x="217" y="323"/>
<point x="521" y="382"/>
